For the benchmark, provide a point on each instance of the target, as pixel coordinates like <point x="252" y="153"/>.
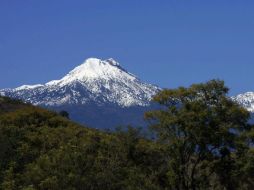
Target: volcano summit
<point x="99" y="93"/>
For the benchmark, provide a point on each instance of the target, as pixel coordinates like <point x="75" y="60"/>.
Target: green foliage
<point x="205" y="135"/>
<point x="42" y="150"/>
<point x="8" y="105"/>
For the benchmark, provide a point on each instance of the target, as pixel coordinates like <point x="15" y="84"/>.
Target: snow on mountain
<point x="26" y="87"/>
<point x="97" y="81"/>
<point x="100" y="93"/>
<point x="246" y="100"/>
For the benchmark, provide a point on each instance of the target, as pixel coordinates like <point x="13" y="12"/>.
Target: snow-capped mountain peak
<point x="95" y="80"/>
<point x="94" y="69"/>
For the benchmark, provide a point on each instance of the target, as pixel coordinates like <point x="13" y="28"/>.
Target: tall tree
<point x="65" y="114"/>
<point x="201" y="128"/>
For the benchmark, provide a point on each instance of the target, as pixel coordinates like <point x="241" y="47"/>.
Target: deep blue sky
<point x="165" y="42"/>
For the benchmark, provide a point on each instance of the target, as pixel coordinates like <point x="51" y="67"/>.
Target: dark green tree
<point x="65" y="114"/>
<point x="202" y="129"/>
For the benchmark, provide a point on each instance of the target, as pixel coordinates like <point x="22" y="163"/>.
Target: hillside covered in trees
<point x="201" y="140"/>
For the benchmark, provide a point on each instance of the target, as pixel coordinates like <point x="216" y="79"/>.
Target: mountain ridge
<point x="98" y="91"/>
<point x="246" y="100"/>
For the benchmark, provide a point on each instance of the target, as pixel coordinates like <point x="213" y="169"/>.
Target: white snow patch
<point x="26" y="87"/>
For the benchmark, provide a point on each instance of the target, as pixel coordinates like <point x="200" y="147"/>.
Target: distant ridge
<point x="246" y="100"/>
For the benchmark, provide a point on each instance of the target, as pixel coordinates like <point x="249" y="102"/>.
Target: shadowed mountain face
<point x="99" y="93"/>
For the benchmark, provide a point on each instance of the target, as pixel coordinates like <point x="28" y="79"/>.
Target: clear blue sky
<point x="165" y="42"/>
